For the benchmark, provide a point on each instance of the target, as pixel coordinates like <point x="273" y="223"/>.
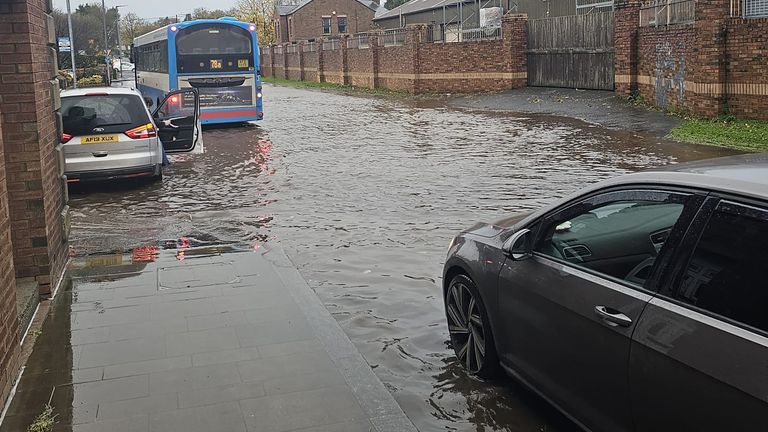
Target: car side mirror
<point x="148" y="101"/>
<point x="519" y="246"/>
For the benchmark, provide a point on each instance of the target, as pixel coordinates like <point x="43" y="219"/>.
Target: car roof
<point x="745" y="174"/>
<point x="108" y="90"/>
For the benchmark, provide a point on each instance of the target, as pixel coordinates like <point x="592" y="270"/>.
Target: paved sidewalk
<point x="213" y="342"/>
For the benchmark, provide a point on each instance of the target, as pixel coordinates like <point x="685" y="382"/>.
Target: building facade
<point x="297" y="20"/>
<point x="33" y="210"/>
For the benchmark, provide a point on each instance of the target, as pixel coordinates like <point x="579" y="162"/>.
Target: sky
<point x="153" y="8"/>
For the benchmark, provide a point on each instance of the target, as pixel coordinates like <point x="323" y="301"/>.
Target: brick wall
<point x="397" y="65"/>
<point x="714" y="66"/>
<point x="746" y="93"/>
<point x="9" y="343"/>
<point x="266" y="61"/>
<point x="360" y="66"/>
<point x="666" y="64"/>
<point x="293" y="63"/>
<point x="30" y="138"/>
<point x="311" y="65"/>
<point x="278" y="63"/>
<point x="334" y="65"/>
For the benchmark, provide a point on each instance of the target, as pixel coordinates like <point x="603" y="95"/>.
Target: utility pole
<point x="106" y="44"/>
<point x="71" y="45"/>
<point x="119" y="45"/>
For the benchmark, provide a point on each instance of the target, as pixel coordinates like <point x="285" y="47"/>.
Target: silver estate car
<point x="637" y="304"/>
<point x="109" y="133"/>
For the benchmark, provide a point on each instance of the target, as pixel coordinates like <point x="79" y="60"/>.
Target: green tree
<point x="203" y="13"/>
<point x="260" y="13"/>
<point x="391" y="4"/>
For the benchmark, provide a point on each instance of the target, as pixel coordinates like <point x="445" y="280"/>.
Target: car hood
<point x="492" y="229"/>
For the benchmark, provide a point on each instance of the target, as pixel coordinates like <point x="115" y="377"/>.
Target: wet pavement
<point x="219" y="341"/>
<point x="602" y="108"/>
<point x="364" y="194"/>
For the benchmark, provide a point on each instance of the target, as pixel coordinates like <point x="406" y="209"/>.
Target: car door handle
<point x="612" y="316"/>
<point x="100" y="154"/>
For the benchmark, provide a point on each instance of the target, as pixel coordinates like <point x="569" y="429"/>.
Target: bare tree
<point x="259" y="12"/>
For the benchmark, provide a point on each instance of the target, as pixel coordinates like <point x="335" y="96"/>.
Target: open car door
<point x="178" y="122"/>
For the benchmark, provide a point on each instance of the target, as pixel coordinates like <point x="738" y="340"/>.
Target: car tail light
<point x="143" y="131"/>
<point x="97" y="94"/>
<point x="65" y="138"/>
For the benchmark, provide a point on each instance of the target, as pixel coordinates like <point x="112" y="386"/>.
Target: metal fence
<point x="749" y="8"/>
<point x="666" y="12"/>
<point x="331" y="44"/>
<point x="310" y="46"/>
<point x="264" y="51"/>
<point x="278" y="49"/>
<point x="359" y="41"/>
<point x="394" y="37"/>
<point x="484" y="33"/>
<point x="292" y="48"/>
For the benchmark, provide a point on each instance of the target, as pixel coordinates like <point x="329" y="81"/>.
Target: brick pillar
<point x="301" y="60"/>
<point x="285" y="60"/>
<point x="9" y="323"/>
<point x="514" y="30"/>
<point x="373" y="42"/>
<point x="28" y="100"/>
<point x="413" y="38"/>
<point x="710" y="74"/>
<point x="625" y="35"/>
<point x="320" y="65"/>
<point x="344" y="62"/>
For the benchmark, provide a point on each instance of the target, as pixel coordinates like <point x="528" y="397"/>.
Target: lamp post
<point x="119" y="45"/>
<point x="71" y="45"/>
<point x="106" y="43"/>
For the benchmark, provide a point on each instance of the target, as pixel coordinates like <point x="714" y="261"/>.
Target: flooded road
<point x="365" y="194"/>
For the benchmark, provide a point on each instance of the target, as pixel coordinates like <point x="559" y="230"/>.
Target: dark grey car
<point x="637" y="304"/>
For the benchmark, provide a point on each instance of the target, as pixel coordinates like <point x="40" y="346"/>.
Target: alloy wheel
<point x="466" y="327"/>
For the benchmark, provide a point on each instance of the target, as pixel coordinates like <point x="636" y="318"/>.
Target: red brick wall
<point x="360" y="66"/>
<point x="626" y="43"/>
<point x="278" y="64"/>
<point x="9" y="331"/>
<point x="475" y="66"/>
<point x="307" y="21"/>
<point x="747" y="68"/>
<point x="333" y="65"/>
<point x="266" y="61"/>
<point x="666" y="65"/>
<point x="30" y="139"/>
<point x="293" y="64"/>
<point x="310" y="68"/>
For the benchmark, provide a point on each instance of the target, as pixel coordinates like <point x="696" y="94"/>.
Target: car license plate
<point x="100" y="139"/>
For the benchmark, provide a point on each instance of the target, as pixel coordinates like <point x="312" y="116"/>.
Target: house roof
<point x="288" y="9"/>
<point x="414" y="6"/>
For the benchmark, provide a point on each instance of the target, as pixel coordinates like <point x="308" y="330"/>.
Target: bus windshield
<point x="214" y="39"/>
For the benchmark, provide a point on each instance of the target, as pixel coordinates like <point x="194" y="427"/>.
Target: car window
<point x="728" y="269"/>
<point x="618" y="235"/>
<point x="88" y="115"/>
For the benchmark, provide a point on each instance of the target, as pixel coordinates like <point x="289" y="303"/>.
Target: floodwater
<point x="365" y="194"/>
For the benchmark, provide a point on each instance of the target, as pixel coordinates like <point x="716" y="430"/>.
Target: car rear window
<point x="93" y="115"/>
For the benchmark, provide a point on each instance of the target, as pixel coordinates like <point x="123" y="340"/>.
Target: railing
<point x="435" y="33"/>
<point x="394" y="37"/>
<point x="484" y="33"/>
<point x="749" y="8"/>
<point x="292" y="49"/>
<point x="666" y="12"/>
<point x="331" y="44"/>
<point x="264" y="51"/>
<point x="593" y="6"/>
<point x="278" y="49"/>
<point x="359" y="41"/>
<point x="310" y="46"/>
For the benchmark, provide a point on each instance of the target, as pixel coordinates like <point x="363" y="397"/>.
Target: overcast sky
<point x="153" y="8"/>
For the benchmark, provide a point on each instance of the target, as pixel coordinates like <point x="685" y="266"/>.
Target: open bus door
<point x="177" y="118"/>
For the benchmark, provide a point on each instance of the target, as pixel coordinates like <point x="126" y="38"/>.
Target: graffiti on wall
<point x="670" y="73"/>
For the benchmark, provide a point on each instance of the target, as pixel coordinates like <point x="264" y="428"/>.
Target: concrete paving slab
<point x="229" y="342"/>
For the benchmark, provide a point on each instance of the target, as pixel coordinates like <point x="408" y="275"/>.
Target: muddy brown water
<point x="365" y="194"/>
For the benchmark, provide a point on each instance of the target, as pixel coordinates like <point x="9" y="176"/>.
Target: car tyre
<point x="470" y="329"/>
<point x="159" y="176"/>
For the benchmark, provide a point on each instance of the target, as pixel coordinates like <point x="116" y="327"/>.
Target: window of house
<point x="326" y="25"/>
<point x="342" y="24"/>
<point x="727" y="271"/>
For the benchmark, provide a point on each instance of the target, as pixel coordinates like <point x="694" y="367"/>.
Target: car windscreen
<point x="92" y="115"/>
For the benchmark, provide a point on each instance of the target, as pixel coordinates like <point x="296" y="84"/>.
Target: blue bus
<point x="218" y="57"/>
